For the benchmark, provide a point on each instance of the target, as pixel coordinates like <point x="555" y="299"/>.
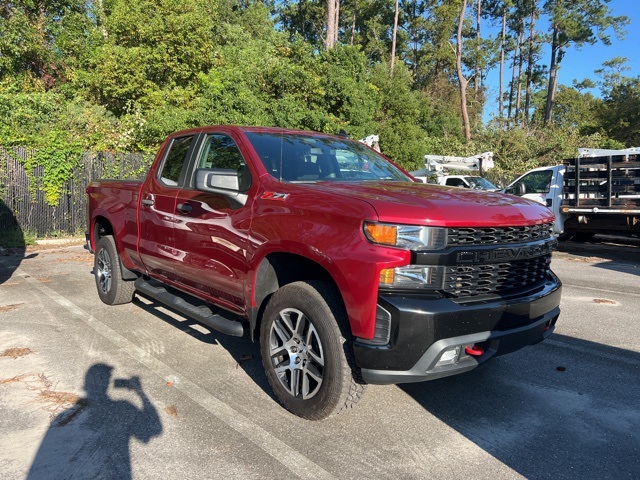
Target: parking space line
<point x="292" y="459"/>
<point x="592" y="352"/>
<point x="601" y="290"/>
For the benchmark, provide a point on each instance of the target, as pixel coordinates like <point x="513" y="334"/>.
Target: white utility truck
<point x="437" y="167"/>
<point x="596" y="192"/>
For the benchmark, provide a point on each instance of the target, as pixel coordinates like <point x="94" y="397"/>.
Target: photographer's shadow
<point x="91" y="439"/>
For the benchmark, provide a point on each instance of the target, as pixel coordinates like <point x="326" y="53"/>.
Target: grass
<point x="16" y="238"/>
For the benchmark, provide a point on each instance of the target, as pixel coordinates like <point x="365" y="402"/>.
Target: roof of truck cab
<point x="247" y="128"/>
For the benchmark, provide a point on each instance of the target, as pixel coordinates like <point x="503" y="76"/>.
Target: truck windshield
<point x="481" y="183"/>
<point x="311" y="158"/>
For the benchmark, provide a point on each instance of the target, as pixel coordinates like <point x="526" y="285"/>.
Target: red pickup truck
<point x="347" y="270"/>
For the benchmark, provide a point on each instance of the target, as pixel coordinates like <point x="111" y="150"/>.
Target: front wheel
<point x="305" y="354"/>
<point x="112" y="288"/>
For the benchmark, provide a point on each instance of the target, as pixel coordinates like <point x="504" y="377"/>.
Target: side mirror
<point x="224" y="181"/>
<point x="518" y="189"/>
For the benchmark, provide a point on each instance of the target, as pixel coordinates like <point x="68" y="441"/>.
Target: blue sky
<point x="581" y="63"/>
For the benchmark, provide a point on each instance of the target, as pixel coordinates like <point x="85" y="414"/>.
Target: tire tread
<point x="350" y="388"/>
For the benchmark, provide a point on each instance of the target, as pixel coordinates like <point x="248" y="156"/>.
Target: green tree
<point x="620" y="114"/>
<point x="576" y="22"/>
<point x="612" y="73"/>
<point x="39" y="39"/>
<point x="147" y="48"/>
<point x="574" y="109"/>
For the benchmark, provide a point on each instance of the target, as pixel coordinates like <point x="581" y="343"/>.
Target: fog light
<point x="450" y="356"/>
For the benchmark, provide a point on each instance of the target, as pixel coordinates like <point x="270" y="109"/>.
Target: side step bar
<point x="202" y="313"/>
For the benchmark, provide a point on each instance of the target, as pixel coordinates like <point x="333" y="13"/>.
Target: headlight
<point x="412" y="277"/>
<point x="412" y="237"/>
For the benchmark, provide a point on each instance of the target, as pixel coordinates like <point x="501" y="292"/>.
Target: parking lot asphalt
<point x="137" y="391"/>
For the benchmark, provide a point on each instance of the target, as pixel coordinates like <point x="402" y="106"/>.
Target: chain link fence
<point x="22" y="203"/>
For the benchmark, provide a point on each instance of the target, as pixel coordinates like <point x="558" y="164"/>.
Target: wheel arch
<point x="277" y="269"/>
<point x="101" y="228"/>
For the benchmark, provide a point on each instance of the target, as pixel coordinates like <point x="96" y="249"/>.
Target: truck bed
<point x="607" y="182"/>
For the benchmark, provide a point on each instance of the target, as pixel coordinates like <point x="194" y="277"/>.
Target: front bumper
<point x="423" y="328"/>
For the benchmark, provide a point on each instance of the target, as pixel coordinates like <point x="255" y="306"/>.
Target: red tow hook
<point x="474" y="351"/>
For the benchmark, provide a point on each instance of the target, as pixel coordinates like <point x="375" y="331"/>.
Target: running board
<point x="202" y="313"/>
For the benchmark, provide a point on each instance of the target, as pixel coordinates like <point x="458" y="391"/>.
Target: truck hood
<point x="421" y="204"/>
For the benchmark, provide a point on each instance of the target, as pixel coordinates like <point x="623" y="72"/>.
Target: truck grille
<point x="500" y="278"/>
<point x="498" y="235"/>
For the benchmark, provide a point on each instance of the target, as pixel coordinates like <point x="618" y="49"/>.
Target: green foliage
<point x="16" y="238"/>
<point x="39" y="39"/>
<point x="348" y="93"/>
<point x="26" y="116"/>
<point x="620" y="113"/>
<point x="145" y="47"/>
<point x="57" y="158"/>
<point x="572" y="109"/>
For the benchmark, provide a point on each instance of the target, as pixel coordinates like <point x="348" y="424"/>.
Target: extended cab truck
<point x="588" y="194"/>
<point x="346" y="270"/>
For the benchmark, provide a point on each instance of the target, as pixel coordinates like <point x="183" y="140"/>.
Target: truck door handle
<point x="184" y="208"/>
<point x="147" y="202"/>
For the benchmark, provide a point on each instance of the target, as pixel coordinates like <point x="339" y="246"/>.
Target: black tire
<point x="112" y="288"/>
<point x="583" y="236"/>
<point x="306" y="356"/>
<point x="576" y="236"/>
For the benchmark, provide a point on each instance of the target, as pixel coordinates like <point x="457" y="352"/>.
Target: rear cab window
<point x="174" y="166"/>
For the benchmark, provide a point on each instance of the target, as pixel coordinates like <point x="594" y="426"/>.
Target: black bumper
<point x="424" y="327"/>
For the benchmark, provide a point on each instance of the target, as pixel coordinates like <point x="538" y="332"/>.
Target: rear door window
<point x="175" y="163"/>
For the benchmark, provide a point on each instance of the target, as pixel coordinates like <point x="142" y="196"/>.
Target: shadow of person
<point x="12" y="243"/>
<point x="91" y="439"/>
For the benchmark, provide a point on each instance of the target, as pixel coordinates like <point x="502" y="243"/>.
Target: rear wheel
<point x="305" y="354"/>
<point x="112" y="288"/>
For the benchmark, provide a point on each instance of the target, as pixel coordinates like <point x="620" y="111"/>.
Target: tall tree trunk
<point x="502" y="49"/>
<point x="513" y="81"/>
<point x="100" y="16"/>
<point x="393" y="40"/>
<point x="478" y="76"/>
<point x="336" y="22"/>
<point x="461" y="79"/>
<point x="532" y="34"/>
<point x="331" y="24"/>
<point x="476" y="82"/>
<point x="519" y="82"/>
<point x="353" y="25"/>
<point x="551" y="89"/>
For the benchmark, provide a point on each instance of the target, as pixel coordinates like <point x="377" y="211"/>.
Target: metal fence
<point x="22" y="202"/>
